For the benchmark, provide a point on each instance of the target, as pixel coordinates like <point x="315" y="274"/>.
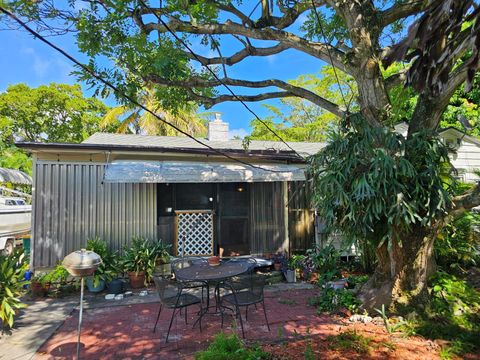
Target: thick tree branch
<point x="325" y="52"/>
<point x="396" y="79"/>
<point x="240" y="55"/>
<point x="292" y="90"/>
<point x="466" y="201"/>
<point x="401" y="10"/>
<point x="208" y="102"/>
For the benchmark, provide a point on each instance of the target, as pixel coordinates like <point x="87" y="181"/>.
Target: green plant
<point x="452" y="314"/>
<point x="455" y="300"/>
<point x="58" y="275"/>
<point x="457" y="246"/>
<point x="309" y="354"/>
<point x="386" y="321"/>
<point x="109" y="268"/>
<point x="356" y="281"/>
<point x="12" y="272"/>
<point x="296" y="261"/>
<point x="331" y="300"/>
<point x="142" y="256"/>
<point x="325" y="261"/>
<point x="230" y="347"/>
<point x="350" y="340"/>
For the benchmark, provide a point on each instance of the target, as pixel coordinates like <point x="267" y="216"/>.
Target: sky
<point x="27" y="60"/>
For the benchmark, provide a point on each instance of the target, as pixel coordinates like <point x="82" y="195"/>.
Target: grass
<point x="350" y="340"/>
<point x="287" y="302"/>
<point x="230" y="347"/>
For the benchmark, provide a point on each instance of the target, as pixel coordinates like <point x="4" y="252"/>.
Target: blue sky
<point x="27" y="60"/>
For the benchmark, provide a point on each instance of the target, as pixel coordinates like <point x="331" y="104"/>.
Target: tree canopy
<point x="48" y="113"/>
<point x="131" y="118"/>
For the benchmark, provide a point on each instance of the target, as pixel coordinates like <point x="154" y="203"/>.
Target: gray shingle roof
<point x="303" y="148"/>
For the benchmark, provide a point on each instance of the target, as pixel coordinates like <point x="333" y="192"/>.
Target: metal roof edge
<point x="260" y="154"/>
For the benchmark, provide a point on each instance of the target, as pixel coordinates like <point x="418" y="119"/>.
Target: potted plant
<point x="161" y="253"/>
<point x="297" y="262"/>
<point x="135" y="261"/>
<point x="279" y="261"/>
<point x="107" y="270"/>
<point x="289" y="272"/>
<point x="39" y="286"/>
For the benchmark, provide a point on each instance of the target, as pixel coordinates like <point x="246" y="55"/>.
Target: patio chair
<point x="243" y="281"/>
<point x="243" y="294"/>
<point x="172" y="297"/>
<point x="184" y="262"/>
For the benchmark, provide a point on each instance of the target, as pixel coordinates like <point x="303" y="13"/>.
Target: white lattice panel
<point x="195" y="234"/>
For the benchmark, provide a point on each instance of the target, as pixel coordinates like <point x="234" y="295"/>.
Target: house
<point x="465" y="155"/>
<point x="117" y="186"/>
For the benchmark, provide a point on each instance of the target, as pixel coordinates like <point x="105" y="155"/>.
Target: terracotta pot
<point x="39" y="289"/>
<point x="277" y="266"/>
<point x="314" y="277"/>
<point x="213" y="260"/>
<point x="137" y="280"/>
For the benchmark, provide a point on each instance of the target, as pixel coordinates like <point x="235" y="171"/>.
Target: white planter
<point x="290" y="276"/>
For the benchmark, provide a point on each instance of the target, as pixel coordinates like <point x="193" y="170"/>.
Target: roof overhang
<point x="274" y="155"/>
<point x="124" y="171"/>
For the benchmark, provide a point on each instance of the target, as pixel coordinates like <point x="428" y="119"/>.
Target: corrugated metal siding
<point x="71" y="205"/>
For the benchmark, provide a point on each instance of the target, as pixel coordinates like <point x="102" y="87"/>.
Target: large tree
<point x="437" y="54"/>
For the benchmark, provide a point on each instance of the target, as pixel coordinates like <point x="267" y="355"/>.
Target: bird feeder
<point x="81" y="263"/>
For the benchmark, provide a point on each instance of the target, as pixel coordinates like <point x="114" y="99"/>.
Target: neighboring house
<point x="466" y="155"/>
<point x="171" y="188"/>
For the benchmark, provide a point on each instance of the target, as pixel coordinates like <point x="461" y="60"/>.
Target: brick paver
<point x="125" y="332"/>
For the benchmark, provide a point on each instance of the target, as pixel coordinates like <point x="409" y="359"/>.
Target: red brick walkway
<point x="125" y="332"/>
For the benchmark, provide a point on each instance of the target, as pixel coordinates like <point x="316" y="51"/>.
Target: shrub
<point x="331" y="300"/>
<point x="453" y="314"/>
<point x="325" y="261"/>
<point x="458" y="245"/>
<point x="230" y="347"/>
<point x="12" y="272"/>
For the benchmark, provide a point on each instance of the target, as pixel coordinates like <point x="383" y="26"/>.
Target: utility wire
<point x="118" y="91"/>
<point x="217" y="78"/>
<point x="322" y="31"/>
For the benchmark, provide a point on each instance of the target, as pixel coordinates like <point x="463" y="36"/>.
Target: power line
<point x="217" y="78"/>
<point x="118" y="91"/>
<point x="322" y="31"/>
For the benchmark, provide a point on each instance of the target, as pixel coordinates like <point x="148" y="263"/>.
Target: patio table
<point x="203" y="272"/>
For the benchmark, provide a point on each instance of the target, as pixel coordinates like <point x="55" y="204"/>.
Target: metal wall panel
<point x="71" y="204"/>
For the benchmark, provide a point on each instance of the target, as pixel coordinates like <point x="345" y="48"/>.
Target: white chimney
<point x="217" y="129"/>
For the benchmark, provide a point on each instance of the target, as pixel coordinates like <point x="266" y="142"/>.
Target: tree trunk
<point x="402" y="271"/>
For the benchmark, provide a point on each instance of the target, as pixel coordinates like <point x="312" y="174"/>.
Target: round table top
<point x="206" y="272"/>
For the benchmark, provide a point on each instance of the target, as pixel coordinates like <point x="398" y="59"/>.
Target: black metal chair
<point x="172" y="297"/>
<point x="184" y="262"/>
<point x="243" y="292"/>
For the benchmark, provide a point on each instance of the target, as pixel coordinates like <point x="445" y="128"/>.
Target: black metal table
<point x="212" y="275"/>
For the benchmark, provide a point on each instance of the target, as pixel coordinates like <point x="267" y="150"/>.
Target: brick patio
<point x="126" y="331"/>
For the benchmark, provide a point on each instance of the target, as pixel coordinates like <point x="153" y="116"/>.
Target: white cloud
<point x="40" y="66"/>
<point x="241" y="133"/>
